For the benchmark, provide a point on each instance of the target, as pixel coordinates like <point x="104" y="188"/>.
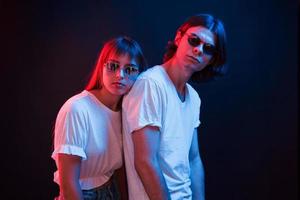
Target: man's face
<point x="195" y="48"/>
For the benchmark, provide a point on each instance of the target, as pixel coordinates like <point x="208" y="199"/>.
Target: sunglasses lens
<point x="209" y="49"/>
<point x="194" y="41"/>
<point x="131" y="70"/>
<point x="111" y="66"/>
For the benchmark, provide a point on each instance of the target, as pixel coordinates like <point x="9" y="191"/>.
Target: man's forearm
<point x="152" y="179"/>
<point x="146" y="147"/>
<point x="197" y="179"/>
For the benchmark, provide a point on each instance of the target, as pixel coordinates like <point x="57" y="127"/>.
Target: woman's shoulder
<point x="76" y="103"/>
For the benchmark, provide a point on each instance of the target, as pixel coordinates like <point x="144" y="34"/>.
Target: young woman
<point x="87" y="141"/>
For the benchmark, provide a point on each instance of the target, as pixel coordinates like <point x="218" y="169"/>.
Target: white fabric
<point x="153" y="101"/>
<point x="87" y="128"/>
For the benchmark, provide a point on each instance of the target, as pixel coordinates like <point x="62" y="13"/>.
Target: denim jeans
<point x="105" y="192"/>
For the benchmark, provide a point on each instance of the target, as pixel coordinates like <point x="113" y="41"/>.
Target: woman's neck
<point x="111" y="101"/>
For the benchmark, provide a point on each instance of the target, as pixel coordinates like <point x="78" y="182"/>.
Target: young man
<point x="161" y="115"/>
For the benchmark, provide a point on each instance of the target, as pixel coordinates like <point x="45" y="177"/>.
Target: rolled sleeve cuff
<point x="69" y="149"/>
<point x="143" y="124"/>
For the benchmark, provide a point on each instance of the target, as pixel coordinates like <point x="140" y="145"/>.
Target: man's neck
<point x="178" y="75"/>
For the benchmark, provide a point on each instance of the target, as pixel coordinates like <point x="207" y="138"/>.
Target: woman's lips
<point x="118" y="84"/>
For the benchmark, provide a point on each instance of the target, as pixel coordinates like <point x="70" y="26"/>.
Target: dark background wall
<point x="248" y="136"/>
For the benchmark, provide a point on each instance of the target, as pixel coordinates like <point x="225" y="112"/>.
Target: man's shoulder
<point x="150" y="82"/>
<point x="154" y="75"/>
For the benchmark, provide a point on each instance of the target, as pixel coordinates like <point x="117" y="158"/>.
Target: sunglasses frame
<point x="135" y="71"/>
<point x="194" y="41"/>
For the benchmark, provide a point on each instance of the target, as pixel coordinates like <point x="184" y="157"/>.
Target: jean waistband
<point x="107" y="183"/>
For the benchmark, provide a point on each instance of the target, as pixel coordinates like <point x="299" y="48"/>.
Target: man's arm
<point x="146" y="146"/>
<point x="69" y="172"/>
<point x="197" y="171"/>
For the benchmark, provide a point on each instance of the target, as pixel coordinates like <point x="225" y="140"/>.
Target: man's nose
<point x="198" y="50"/>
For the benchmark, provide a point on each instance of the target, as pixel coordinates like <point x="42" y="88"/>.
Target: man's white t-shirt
<point x="153" y="101"/>
<point x="87" y="128"/>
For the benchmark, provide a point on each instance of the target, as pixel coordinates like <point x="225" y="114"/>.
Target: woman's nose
<point x="120" y="73"/>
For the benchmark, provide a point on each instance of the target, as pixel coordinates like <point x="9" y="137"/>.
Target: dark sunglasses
<point x="195" y="41"/>
<point x="130" y="70"/>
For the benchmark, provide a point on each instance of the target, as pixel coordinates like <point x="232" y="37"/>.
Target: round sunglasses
<point x="195" y="41"/>
<point x="129" y="70"/>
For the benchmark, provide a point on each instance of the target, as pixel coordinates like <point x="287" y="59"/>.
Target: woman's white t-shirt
<point x="87" y="128"/>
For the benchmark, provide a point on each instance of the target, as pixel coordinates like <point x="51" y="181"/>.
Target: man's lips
<point x="194" y="59"/>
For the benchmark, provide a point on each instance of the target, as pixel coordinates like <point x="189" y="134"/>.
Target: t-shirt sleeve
<point x="197" y="118"/>
<point x="70" y="135"/>
<point x="143" y="105"/>
<point x="197" y="101"/>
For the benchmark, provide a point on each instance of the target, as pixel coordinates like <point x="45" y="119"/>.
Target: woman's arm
<point x="69" y="172"/>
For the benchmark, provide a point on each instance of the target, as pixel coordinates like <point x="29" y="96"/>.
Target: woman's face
<point x="119" y="74"/>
